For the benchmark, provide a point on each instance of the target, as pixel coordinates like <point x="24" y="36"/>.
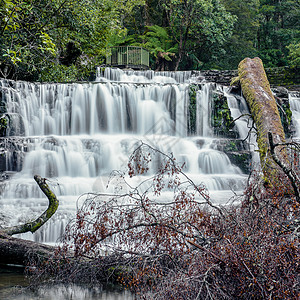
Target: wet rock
<point x="237" y="151"/>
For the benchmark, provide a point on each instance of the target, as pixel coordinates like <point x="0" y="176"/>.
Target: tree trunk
<point x="18" y="251"/>
<point x="263" y="107"/>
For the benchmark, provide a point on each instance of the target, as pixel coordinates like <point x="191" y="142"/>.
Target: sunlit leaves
<point x="12" y="56"/>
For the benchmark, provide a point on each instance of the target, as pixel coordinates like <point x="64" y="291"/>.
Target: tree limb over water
<point x="43" y="218"/>
<point x="17" y="251"/>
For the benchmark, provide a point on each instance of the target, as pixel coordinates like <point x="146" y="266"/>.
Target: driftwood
<point x="16" y="251"/>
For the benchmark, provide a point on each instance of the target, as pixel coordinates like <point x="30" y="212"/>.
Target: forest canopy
<point x="64" y="40"/>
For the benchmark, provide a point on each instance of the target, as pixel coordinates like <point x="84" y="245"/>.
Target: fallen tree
<point x="262" y="104"/>
<point x="17" y="251"/>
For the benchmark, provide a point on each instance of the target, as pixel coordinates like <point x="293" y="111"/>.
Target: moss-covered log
<point x="18" y="251"/>
<point x="263" y="107"/>
<point x="43" y="218"/>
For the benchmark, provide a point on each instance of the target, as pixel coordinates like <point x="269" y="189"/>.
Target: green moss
<point x="286" y="117"/>
<point x="3" y="126"/>
<point x="193" y="88"/>
<point x="231" y="147"/>
<point x="263" y="109"/>
<point x="222" y="121"/>
<point x="235" y="81"/>
<point x="241" y="159"/>
<point x="284" y="76"/>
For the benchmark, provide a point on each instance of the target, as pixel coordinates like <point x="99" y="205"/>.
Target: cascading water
<point x="294" y="99"/>
<point x="244" y="123"/>
<point x="147" y="76"/>
<point x="76" y="134"/>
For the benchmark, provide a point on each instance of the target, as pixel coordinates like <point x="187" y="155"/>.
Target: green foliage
<point x="39" y="35"/>
<point x="222" y="121"/>
<point x="59" y="73"/>
<point x="243" y="40"/>
<point x="231" y="146"/>
<point x="279" y="27"/>
<point x="36" y="34"/>
<point x="157" y="40"/>
<point x="3" y="125"/>
<point x="193" y="88"/>
<point x="198" y="25"/>
<point x="294" y="55"/>
<point x="123" y="39"/>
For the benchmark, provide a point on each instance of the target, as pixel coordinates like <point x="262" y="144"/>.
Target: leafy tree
<point x="197" y="25"/>
<point x="159" y="43"/>
<point x="24" y="36"/>
<point x="243" y="41"/>
<point x="37" y="35"/>
<point x="279" y="27"/>
<point x="294" y="55"/>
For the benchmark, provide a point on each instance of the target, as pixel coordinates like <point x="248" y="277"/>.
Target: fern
<point x="157" y="40"/>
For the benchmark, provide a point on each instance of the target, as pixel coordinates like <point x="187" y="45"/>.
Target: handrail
<point x="128" y="56"/>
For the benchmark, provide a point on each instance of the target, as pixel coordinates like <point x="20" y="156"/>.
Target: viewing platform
<point x="126" y="57"/>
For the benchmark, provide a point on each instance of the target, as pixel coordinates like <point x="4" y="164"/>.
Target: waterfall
<point x="147" y="76"/>
<point x="240" y="113"/>
<point x="76" y="134"/>
<point x="294" y="99"/>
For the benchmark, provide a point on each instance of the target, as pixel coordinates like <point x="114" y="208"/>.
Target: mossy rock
<point x="227" y="145"/>
<point x="3" y="125"/>
<point x="222" y="122"/>
<point x="282" y="100"/>
<point x="193" y="88"/>
<point x="284" y="76"/>
<point x="237" y="151"/>
<point x="242" y="159"/>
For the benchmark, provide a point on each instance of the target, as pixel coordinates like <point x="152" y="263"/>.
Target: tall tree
<point x="196" y="24"/>
<point x="279" y="27"/>
<point x="243" y="41"/>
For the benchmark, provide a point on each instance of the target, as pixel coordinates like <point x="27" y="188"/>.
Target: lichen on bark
<point x="256" y="89"/>
<point x="33" y="226"/>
